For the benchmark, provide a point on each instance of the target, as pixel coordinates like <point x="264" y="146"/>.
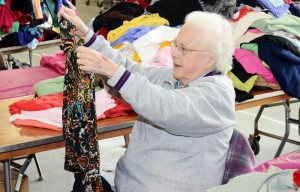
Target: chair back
<point x="240" y="158"/>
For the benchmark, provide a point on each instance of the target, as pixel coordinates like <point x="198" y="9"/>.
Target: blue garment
<point x="133" y="34"/>
<point x="27" y="34"/>
<point x="284" y="65"/>
<point x="60" y="3"/>
<point x="276" y="11"/>
<point x="294" y="9"/>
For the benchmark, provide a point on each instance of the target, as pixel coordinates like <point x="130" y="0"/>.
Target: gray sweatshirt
<point x="181" y="137"/>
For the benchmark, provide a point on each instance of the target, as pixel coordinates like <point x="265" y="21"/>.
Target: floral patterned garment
<point x="79" y="115"/>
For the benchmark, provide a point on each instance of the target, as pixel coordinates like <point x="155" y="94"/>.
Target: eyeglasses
<point x="182" y="49"/>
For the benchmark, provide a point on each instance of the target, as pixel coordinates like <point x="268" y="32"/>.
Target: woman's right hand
<point x="70" y="15"/>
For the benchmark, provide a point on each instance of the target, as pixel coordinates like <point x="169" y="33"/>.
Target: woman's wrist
<point x="83" y="32"/>
<point x="112" y="70"/>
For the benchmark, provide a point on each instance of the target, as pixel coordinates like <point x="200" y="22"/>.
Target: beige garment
<point x="37" y="9"/>
<point x="261" y="82"/>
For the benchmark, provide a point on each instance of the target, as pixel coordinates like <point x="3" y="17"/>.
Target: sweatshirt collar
<point x="175" y="83"/>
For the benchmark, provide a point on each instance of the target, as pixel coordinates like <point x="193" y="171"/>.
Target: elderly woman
<point x="186" y="113"/>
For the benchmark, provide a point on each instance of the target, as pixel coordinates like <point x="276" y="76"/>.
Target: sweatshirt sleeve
<point x="98" y="43"/>
<point x="191" y="111"/>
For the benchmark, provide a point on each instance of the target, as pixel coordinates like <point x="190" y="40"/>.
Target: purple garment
<point x="133" y="34"/>
<point x="240" y="158"/>
<point x="60" y="3"/>
<point x="276" y="11"/>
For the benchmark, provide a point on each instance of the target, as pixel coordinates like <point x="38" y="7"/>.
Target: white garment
<point x="247" y="37"/>
<point x="12" y="118"/>
<point x="148" y="45"/>
<point x="274" y="180"/>
<point x="244" y="23"/>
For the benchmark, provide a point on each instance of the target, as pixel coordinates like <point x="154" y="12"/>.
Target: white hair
<point x="221" y="36"/>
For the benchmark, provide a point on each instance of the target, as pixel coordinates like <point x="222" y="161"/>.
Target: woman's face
<point x="191" y="55"/>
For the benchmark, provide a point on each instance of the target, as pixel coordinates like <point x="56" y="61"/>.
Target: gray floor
<point x="56" y="179"/>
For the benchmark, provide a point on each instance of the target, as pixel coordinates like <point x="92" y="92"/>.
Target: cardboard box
<point x="14" y="176"/>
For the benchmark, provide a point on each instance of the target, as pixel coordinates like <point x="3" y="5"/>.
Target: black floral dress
<point x="79" y="115"/>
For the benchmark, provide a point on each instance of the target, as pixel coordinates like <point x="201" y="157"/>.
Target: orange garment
<point x="39" y="103"/>
<point x="243" y="11"/>
<point x="35" y="123"/>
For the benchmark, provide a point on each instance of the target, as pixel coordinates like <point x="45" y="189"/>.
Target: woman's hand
<point x="93" y="61"/>
<point x="69" y="14"/>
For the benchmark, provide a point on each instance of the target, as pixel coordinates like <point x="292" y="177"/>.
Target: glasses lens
<point x="182" y="49"/>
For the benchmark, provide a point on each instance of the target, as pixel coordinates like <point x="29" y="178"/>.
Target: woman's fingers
<point x="67" y="13"/>
<point x="88" y="57"/>
<point x="93" y="61"/>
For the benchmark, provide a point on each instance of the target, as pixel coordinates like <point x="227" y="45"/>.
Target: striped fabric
<point x="91" y="41"/>
<point x="122" y="80"/>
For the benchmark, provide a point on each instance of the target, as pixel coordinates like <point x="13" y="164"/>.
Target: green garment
<point x="54" y="85"/>
<point x="251" y="47"/>
<point x="277" y="3"/>
<point x="49" y="86"/>
<point x="14" y="28"/>
<point x="287" y="22"/>
<point x="238" y="84"/>
<point x="51" y="6"/>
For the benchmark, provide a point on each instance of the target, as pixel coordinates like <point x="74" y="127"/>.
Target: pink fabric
<point x="288" y="161"/>
<point x="19" y="82"/>
<point x="253" y="65"/>
<point x="57" y="61"/>
<point x="254" y="31"/>
<point x="40" y="107"/>
<point x="49" y="107"/>
<point x="103" y="102"/>
<point x="38" y="124"/>
<point x="163" y="57"/>
<point x="53" y="114"/>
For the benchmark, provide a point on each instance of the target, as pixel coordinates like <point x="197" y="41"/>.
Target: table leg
<point x="287" y="128"/>
<point x="7" y="175"/>
<point x="30" y="58"/>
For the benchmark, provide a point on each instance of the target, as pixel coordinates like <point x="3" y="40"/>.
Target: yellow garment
<point x="237" y="83"/>
<point x="135" y="55"/>
<point x="143" y="20"/>
<point x="56" y="29"/>
<point x="164" y="44"/>
<point x="118" y="46"/>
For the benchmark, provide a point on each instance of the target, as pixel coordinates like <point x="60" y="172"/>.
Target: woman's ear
<point x="211" y="63"/>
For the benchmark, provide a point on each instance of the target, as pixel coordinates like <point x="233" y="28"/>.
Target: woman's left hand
<point x="92" y="61"/>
